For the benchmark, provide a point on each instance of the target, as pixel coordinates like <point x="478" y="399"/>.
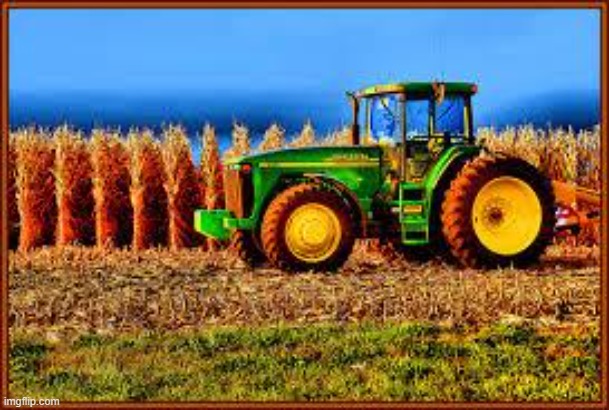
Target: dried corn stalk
<point x="13" y="209"/>
<point x="111" y="189"/>
<point x="74" y="190"/>
<point x="241" y="142"/>
<point x="35" y="188"/>
<point x="182" y="187"/>
<point x="274" y="138"/>
<point x="306" y="137"/>
<point x="212" y="189"/>
<point x="340" y="137"/>
<point x="148" y="196"/>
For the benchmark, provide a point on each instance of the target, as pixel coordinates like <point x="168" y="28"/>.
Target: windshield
<point x="385" y="115"/>
<point x="449" y="116"/>
<point x="417" y="118"/>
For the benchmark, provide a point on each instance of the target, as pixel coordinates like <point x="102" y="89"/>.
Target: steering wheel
<point x="438" y="142"/>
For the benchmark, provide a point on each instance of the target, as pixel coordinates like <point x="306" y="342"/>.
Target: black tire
<point x="243" y="245"/>
<point x="279" y="211"/>
<point x="457" y="212"/>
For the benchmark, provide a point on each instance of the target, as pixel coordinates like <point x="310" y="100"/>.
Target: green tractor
<point x="415" y="178"/>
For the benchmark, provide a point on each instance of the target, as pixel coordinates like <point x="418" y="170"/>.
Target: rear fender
<point x="438" y="181"/>
<point x="359" y="215"/>
<point x="448" y="165"/>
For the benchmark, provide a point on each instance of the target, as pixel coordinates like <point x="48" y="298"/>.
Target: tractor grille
<point x="232" y="192"/>
<point x="239" y="192"/>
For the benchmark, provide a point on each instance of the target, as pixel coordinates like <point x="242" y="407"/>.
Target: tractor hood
<point x="313" y="156"/>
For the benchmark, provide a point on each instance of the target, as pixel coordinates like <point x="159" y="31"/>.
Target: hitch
<point x="569" y="198"/>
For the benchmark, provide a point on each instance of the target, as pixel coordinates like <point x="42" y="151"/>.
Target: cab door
<point x="416" y="160"/>
<point x="386" y="127"/>
<point x="404" y="145"/>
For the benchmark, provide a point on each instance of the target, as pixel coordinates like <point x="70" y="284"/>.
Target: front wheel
<point x="243" y="245"/>
<point x="498" y="212"/>
<point x="308" y="227"/>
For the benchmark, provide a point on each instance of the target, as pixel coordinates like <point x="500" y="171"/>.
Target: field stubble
<point x="74" y="289"/>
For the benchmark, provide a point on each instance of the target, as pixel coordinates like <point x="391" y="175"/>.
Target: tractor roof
<point x="417" y="88"/>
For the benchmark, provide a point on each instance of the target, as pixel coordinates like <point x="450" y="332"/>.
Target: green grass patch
<point x="412" y="362"/>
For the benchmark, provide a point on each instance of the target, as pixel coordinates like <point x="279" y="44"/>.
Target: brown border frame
<point x="601" y="6"/>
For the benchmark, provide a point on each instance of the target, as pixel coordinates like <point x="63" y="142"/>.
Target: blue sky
<point x="512" y="54"/>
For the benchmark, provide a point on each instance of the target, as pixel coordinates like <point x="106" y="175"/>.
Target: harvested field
<point x="80" y="289"/>
<point x="89" y="325"/>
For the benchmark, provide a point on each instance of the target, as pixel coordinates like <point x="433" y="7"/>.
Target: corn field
<point x="141" y="190"/>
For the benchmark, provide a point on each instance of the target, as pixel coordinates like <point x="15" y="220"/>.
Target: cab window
<point x="449" y="116"/>
<point x="385" y="117"/>
<point x="417" y="118"/>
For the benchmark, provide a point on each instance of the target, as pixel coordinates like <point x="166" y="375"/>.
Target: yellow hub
<point x="313" y="232"/>
<point x="506" y="215"/>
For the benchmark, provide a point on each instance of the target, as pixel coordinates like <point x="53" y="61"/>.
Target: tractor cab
<point x="421" y="127"/>
<point x="414" y="122"/>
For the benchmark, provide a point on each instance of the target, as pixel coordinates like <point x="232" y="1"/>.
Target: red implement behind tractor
<point x="577" y="208"/>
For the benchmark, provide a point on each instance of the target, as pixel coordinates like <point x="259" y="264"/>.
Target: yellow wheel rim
<point x="506" y="215"/>
<point x="313" y="232"/>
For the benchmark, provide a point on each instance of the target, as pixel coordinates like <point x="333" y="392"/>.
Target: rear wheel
<point x="308" y="227"/>
<point x="497" y="212"/>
